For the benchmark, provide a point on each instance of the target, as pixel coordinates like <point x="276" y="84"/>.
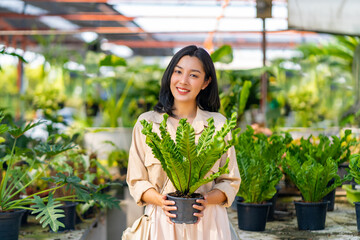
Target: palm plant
<point x="15" y="180"/>
<point x="185" y="162"/>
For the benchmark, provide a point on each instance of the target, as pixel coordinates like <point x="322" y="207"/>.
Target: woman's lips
<point x="183" y="90"/>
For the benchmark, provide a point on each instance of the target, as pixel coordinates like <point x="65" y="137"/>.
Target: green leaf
<point x="244" y="95"/>
<point x="48" y="213"/>
<point x="112" y="61"/>
<point x="52" y="149"/>
<point x="106" y="200"/>
<point x="224" y="54"/>
<point x="16" y="132"/>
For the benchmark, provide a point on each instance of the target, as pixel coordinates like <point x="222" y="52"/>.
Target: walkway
<point x="340" y="223"/>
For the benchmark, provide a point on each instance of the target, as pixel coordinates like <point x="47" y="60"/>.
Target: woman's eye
<point x="177" y="71"/>
<point x="194" y="76"/>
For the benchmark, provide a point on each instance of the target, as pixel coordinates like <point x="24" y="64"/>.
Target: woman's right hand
<point x="167" y="206"/>
<point x="151" y="196"/>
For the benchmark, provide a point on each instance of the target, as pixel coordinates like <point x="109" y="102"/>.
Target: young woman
<point x="188" y="90"/>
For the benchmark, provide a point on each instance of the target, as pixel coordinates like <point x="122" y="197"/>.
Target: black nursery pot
<point x="330" y="198"/>
<point x="185" y="211"/>
<point x="70" y="216"/>
<point x="10" y="224"/>
<point x="252" y="217"/>
<point x="311" y="215"/>
<point x="357" y="210"/>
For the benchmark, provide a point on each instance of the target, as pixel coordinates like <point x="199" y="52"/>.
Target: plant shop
<point x="77" y="75"/>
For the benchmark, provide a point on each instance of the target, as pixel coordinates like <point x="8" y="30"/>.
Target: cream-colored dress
<point x="144" y="172"/>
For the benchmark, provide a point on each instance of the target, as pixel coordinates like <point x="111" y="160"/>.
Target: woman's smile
<point x="183" y="91"/>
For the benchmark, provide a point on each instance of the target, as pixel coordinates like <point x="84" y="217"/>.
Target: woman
<point x="188" y="90"/>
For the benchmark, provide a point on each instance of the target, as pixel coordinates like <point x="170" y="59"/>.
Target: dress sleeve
<point x="137" y="175"/>
<point x="229" y="183"/>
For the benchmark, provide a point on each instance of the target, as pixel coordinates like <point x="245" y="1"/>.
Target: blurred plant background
<point x="317" y="88"/>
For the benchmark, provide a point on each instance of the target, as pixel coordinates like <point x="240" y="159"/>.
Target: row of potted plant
<point x="51" y="162"/>
<point x="311" y="164"/>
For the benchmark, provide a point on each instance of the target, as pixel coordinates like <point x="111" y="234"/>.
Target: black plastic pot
<point x="311" y="215"/>
<point x="70" y="216"/>
<point x="330" y="198"/>
<point x="252" y="217"/>
<point x="25" y="217"/>
<point x="357" y="210"/>
<point x="10" y="224"/>
<point x="185" y="211"/>
<point x="271" y="213"/>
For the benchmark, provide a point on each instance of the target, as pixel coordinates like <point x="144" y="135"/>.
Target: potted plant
<point x="314" y="170"/>
<point x="187" y="163"/>
<point x="119" y="157"/>
<point x="354" y="166"/>
<point x="15" y="180"/>
<point x="258" y="159"/>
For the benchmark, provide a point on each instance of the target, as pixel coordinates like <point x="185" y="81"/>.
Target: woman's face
<point x="187" y="80"/>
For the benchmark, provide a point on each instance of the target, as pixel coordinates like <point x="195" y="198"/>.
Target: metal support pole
<point x="263" y="84"/>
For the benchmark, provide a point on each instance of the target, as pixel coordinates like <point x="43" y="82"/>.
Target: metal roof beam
<point x="75" y="17"/>
<point x="172" y="44"/>
<point x="68" y="1"/>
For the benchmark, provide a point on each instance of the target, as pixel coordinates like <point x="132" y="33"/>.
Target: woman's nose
<point x="184" y="79"/>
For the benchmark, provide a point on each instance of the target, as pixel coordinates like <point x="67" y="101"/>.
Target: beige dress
<point x="144" y="172"/>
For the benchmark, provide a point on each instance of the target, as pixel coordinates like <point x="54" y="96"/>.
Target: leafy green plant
<point x="339" y="149"/>
<point x="312" y="167"/>
<point x="118" y="156"/>
<point x="235" y="100"/>
<point x="15" y="180"/>
<point x="258" y="159"/>
<point x="185" y="162"/>
<point x="354" y="166"/>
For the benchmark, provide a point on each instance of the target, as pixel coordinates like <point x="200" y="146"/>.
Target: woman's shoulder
<point x="150" y="116"/>
<point x="218" y="117"/>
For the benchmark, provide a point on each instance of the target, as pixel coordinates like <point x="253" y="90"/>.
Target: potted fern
<point x="14" y="181"/>
<point x="187" y="163"/>
<point x="258" y="159"/>
<point x="313" y="168"/>
<point x="354" y="166"/>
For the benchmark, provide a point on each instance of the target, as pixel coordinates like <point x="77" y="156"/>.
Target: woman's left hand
<point x="213" y="197"/>
<point x="203" y="202"/>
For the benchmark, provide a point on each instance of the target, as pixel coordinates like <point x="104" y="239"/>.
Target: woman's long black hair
<point x="208" y="99"/>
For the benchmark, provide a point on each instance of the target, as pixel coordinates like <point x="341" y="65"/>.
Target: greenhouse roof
<point x="147" y="28"/>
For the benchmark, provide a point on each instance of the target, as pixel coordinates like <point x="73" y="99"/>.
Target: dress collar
<point x="199" y="122"/>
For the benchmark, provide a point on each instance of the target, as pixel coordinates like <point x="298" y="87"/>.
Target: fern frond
<point x="154" y="142"/>
<point x="205" y="137"/>
<point x="174" y="161"/>
<point x="222" y="170"/>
